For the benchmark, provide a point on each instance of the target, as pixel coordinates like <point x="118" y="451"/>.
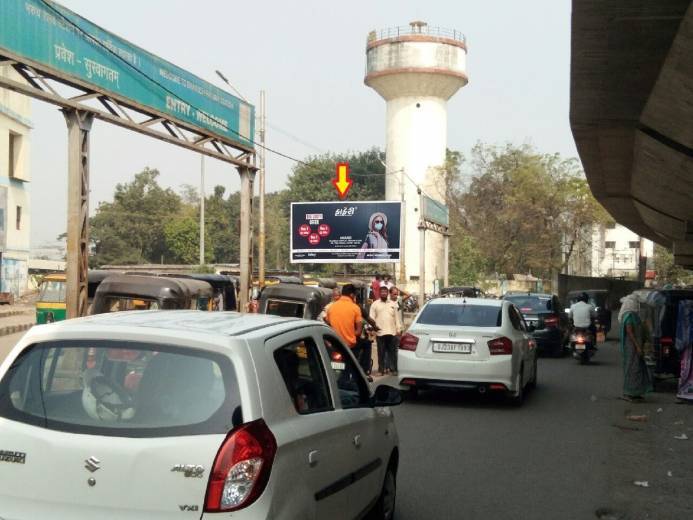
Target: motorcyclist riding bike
<point x="583" y="315"/>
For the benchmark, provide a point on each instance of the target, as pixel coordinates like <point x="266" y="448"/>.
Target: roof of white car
<point x="489" y="302"/>
<point x="217" y="323"/>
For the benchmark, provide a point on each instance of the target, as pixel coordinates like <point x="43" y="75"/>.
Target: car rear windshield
<point x="461" y="315"/>
<point x="531" y="304"/>
<point x="127" y="389"/>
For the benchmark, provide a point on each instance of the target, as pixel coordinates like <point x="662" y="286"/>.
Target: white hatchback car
<point x="470" y="343"/>
<point x="187" y="414"/>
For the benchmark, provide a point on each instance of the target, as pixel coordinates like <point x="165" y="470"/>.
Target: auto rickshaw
<point x="274" y="279"/>
<point x="122" y="292"/>
<point x="50" y="305"/>
<point x="362" y="289"/>
<point x="224" y="290"/>
<point x="294" y="301"/>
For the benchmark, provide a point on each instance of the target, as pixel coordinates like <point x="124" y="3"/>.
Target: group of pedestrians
<point x="354" y="323"/>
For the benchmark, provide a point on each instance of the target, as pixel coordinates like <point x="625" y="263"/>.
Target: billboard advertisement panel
<point x="56" y="39"/>
<point x="345" y="232"/>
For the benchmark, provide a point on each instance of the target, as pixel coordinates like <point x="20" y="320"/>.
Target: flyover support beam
<point x="246" y="250"/>
<point x="78" y="126"/>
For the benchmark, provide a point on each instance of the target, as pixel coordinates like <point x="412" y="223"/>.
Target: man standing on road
<point x="386" y="316"/>
<point x="344" y="316"/>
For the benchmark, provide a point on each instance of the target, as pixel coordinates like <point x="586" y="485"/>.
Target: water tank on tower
<point x="416" y="69"/>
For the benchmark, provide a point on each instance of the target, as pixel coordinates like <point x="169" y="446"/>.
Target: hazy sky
<point x="310" y="58"/>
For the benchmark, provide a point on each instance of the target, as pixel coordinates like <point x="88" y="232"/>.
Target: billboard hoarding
<point x="58" y="40"/>
<point x="345" y="232"/>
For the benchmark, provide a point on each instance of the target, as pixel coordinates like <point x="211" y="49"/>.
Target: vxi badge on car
<point x="12" y="456"/>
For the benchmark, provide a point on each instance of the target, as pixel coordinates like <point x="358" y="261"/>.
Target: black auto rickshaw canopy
<point x="121" y="292"/>
<point x="224" y="287"/>
<point x="294" y="301"/>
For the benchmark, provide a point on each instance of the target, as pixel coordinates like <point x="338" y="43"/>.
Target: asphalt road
<point x="467" y="457"/>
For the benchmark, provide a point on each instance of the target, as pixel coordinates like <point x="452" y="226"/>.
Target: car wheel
<point x="533" y="383"/>
<point x="384" y="508"/>
<point x="517" y="397"/>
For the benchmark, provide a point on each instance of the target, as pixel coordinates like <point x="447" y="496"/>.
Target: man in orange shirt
<point x="344" y="316"/>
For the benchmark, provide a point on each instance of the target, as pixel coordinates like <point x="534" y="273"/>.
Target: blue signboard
<point x="435" y="211"/>
<point x="345" y="232"/>
<point x="56" y="39"/>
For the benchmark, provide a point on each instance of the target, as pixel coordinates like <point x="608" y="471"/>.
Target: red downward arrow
<point x="342" y="182"/>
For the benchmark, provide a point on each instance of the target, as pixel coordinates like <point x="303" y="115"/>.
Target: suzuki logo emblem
<point x="92" y="464"/>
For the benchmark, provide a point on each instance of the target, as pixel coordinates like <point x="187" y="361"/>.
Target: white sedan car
<point x="469" y="343"/>
<point x="187" y="414"/>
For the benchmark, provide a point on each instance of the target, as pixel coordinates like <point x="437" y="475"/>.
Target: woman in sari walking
<point x="636" y="377"/>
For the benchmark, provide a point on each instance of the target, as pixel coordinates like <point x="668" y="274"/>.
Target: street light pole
<point x="261" y="208"/>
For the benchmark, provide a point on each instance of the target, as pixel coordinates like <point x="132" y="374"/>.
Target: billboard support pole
<point x="78" y="127"/>
<point x="446" y="260"/>
<point x="422" y="254"/>
<point x="402" y="259"/>
<point x="245" y="245"/>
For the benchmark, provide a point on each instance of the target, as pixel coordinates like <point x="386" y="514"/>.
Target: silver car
<point x="473" y="343"/>
<point x="187" y="414"/>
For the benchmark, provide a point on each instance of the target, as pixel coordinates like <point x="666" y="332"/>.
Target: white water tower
<point x="416" y="69"/>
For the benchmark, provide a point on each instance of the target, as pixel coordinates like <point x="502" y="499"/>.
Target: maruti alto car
<point x="189" y="414"/>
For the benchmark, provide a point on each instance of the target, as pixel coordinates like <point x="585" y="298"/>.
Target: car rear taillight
<point x="500" y="346"/>
<point x="408" y="342"/>
<point x="241" y="468"/>
<point x="551" y="322"/>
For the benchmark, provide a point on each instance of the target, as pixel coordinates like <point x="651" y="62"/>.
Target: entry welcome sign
<point x="345" y="232"/>
<point x="49" y="36"/>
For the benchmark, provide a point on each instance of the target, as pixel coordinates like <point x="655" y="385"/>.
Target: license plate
<point x="453" y="348"/>
<point x="580" y="346"/>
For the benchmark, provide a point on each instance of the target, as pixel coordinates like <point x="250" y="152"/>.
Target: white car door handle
<point x="357" y="441"/>
<point x="313" y="458"/>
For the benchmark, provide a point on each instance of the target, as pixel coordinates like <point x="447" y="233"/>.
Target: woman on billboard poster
<point x="376" y="238"/>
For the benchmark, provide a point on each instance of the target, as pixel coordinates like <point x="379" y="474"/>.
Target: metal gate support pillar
<point x="246" y="251"/>
<point x="78" y="127"/>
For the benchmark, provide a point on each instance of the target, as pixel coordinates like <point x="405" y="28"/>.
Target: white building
<point x="616" y="251"/>
<point x="15" y="210"/>
<point x="416" y="69"/>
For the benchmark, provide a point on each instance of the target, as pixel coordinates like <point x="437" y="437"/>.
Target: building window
<point x="609" y="244"/>
<point x="12" y="154"/>
<point x="19" y="218"/>
<point x="634" y="244"/>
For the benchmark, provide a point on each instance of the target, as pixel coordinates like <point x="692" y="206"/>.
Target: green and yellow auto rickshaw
<point x="50" y="305"/>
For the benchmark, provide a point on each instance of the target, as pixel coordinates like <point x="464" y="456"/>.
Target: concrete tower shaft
<point x="416" y="70"/>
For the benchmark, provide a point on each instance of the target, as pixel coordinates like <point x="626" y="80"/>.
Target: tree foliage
<point x="521" y="212"/>
<point x="667" y="271"/>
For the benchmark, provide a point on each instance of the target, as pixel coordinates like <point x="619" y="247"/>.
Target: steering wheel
<point x="104" y="400"/>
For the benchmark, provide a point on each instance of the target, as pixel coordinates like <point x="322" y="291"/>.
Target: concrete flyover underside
<point x="631" y="113"/>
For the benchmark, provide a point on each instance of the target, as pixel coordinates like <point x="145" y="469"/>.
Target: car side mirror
<point x="386" y="395"/>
